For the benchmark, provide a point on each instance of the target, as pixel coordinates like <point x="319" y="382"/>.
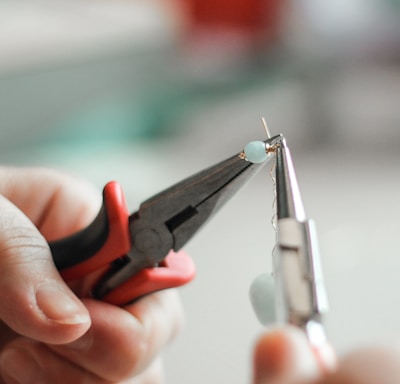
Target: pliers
<point x="300" y="296"/>
<point x="134" y="254"/>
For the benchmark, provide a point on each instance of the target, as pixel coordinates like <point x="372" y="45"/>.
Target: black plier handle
<point x="138" y="253"/>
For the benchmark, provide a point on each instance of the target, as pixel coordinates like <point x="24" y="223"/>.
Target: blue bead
<point x="255" y="152"/>
<point x="262" y="297"/>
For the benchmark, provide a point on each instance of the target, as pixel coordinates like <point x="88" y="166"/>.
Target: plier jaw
<point x="288" y="197"/>
<point x="300" y="292"/>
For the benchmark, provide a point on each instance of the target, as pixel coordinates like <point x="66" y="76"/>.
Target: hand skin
<point x="48" y="334"/>
<point x="283" y="356"/>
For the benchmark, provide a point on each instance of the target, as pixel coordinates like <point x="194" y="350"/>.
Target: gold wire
<point x="272" y="149"/>
<point x="274" y="218"/>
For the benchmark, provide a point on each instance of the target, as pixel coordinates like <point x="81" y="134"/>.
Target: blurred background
<point x="147" y="92"/>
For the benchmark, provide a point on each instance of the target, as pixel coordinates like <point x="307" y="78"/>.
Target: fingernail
<point x="59" y="305"/>
<point x="17" y="367"/>
<point x="326" y="357"/>
<point x="303" y="359"/>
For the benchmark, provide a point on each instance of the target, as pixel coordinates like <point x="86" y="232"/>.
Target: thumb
<point x="34" y="300"/>
<point x="284" y="356"/>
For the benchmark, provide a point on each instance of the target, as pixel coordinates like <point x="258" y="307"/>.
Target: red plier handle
<point x="133" y="252"/>
<point x="105" y="242"/>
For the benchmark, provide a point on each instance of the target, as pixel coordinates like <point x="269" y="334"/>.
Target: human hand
<point x="47" y="334"/>
<point x="283" y="356"/>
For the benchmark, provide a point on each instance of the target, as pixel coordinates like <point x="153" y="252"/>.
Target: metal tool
<point x="300" y="295"/>
<point x="136" y="254"/>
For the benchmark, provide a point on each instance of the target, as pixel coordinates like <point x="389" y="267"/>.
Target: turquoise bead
<point x="262" y="298"/>
<point x="255" y="152"/>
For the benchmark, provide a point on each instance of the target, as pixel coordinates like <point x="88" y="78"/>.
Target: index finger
<point x="56" y="202"/>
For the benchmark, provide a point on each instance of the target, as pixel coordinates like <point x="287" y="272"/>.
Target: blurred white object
<point x="39" y="31"/>
<point x="342" y="27"/>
